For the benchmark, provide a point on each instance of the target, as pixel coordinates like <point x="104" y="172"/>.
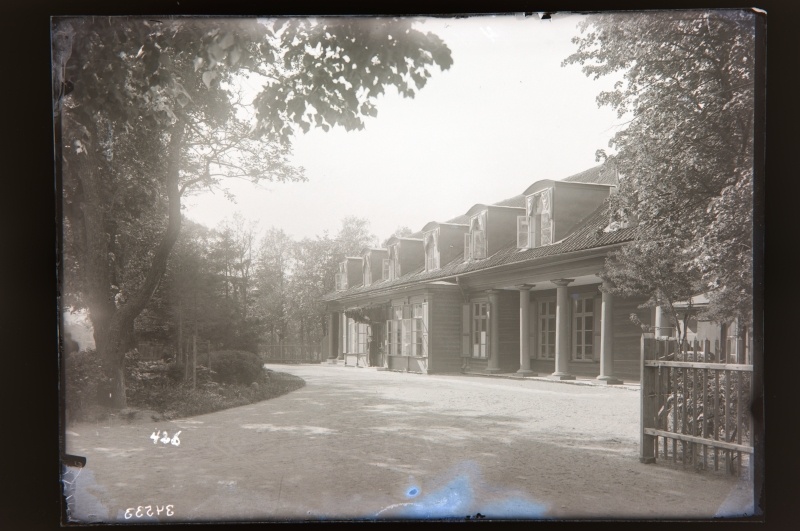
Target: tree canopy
<point x="148" y="110"/>
<point x="685" y="156"/>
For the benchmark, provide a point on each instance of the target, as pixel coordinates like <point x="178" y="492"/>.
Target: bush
<point x="236" y="367"/>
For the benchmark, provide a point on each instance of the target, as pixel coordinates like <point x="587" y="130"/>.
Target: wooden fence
<point x="292" y="353"/>
<point x="694" y="412"/>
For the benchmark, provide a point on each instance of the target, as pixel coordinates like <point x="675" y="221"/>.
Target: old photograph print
<point x="408" y="268"/>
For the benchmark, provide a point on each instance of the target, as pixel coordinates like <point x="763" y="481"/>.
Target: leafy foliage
<point x="236" y="367"/>
<point x="149" y="110"/>
<point x="685" y="157"/>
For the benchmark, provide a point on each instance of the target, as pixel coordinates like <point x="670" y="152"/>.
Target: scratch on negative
<point x="395" y="505"/>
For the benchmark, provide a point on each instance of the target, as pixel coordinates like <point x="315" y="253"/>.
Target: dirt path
<point x="358" y="443"/>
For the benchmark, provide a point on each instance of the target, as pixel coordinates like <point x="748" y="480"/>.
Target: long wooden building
<point x="510" y="287"/>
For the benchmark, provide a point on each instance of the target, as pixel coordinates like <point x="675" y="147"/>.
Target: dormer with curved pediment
<point x="491" y="227"/>
<point x="350" y="273"/>
<point x="374" y="260"/>
<point x="553" y="210"/>
<point x="442" y="242"/>
<point x="405" y="255"/>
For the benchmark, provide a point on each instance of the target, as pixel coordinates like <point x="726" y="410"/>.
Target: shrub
<point x="236" y="367"/>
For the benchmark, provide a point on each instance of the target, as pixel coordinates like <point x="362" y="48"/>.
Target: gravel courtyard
<point x="367" y="444"/>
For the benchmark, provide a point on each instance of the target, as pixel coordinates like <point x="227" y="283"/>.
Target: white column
<point x="607" y="339"/>
<point x="331" y="335"/>
<point x="524" y="330"/>
<point x="562" y="330"/>
<point x="494" y="330"/>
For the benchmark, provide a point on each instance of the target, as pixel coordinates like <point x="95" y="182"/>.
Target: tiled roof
<point x="597" y="175"/>
<point x="590" y="234"/>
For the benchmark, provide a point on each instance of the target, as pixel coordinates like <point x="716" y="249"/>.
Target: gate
<point x="694" y="412"/>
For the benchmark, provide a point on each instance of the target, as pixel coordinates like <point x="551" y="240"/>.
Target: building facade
<point x="511" y="287"/>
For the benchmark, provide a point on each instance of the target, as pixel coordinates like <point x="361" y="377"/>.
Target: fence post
<point x="647" y="379"/>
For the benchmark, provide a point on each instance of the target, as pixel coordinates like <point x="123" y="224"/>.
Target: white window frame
<point x="533" y="220"/>
<point x="366" y="269"/>
<point x="579" y="333"/>
<point x="385" y="269"/>
<point x="543" y="322"/>
<point x="407" y="330"/>
<point x="431" y="247"/>
<point x="394" y="261"/>
<point x="480" y="323"/>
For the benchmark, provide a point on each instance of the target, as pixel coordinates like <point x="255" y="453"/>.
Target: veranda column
<point x="607" y="339"/>
<point x="342" y="336"/>
<point x="524" y="330"/>
<point x="562" y="330"/>
<point x="331" y="337"/>
<point x="494" y="330"/>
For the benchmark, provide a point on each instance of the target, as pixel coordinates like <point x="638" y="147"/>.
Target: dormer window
<point x="385" y="269"/>
<point x="367" y="270"/>
<point x="475" y="239"/>
<point x="394" y="261"/>
<point x="431" y="245"/>
<point x="536" y="228"/>
<point x="341" y="277"/>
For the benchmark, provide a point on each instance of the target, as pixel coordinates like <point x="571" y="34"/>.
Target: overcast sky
<point x="505" y="115"/>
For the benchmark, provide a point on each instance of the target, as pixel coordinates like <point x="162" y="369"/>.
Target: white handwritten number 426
<point x="165" y="439"/>
<point x="149" y="512"/>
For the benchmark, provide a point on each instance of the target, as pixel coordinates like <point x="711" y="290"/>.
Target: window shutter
<point x="523" y="232"/>
<point x="424" y="328"/>
<point x="479" y="246"/>
<point x="467" y="246"/>
<point x="547" y="217"/>
<point x="466" y="316"/>
<point x="385" y="269"/>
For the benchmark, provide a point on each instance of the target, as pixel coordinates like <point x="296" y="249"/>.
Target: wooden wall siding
<point x="355" y="271"/>
<point x="501" y="228"/>
<point x="412" y="256"/>
<point x="509" y="330"/>
<point x="451" y="242"/>
<point x="398" y="363"/>
<point x="478" y="365"/>
<point x="572" y="202"/>
<point x="376" y="257"/>
<point x="444" y="337"/>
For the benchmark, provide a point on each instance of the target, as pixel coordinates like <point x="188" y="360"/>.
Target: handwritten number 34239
<point x="147" y="512"/>
<point x="165" y="439"/>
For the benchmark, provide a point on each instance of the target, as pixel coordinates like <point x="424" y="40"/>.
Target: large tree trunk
<point x="113" y="325"/>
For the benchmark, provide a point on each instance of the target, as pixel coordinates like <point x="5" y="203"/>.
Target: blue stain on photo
<point x="457" y="500"/>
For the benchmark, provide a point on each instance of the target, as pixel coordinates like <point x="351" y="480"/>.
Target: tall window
<point x="362" y="338"/>
<point x="407" y="330"/>
<point x="475" y="239"/>
<point x="583" y="328"/>
<point x="536" y="228"/>
<point x="366" y="270"/>
<point x="431" y="243"/>
<point x="394" y="261"/>
<point x="385" y="264"/>
<point x="547" y="329"/>
<point x="341" y="277"/>
<point x="480" y="329"/>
